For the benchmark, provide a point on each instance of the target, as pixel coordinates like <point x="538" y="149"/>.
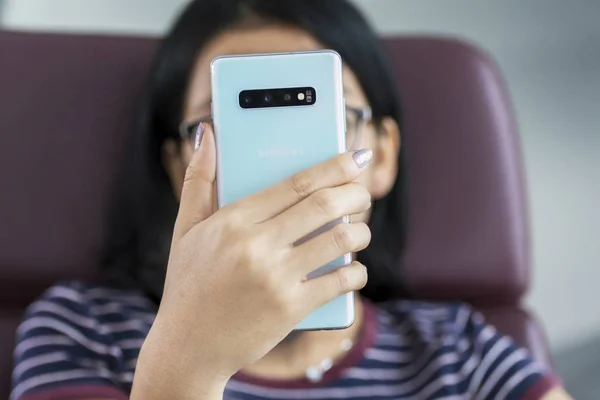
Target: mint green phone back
<point x="257" y="148"/>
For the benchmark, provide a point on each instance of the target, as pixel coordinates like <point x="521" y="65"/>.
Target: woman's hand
<point x="235" y="284"/>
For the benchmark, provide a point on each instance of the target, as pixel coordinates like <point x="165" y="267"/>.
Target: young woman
<point x="218" y="324"/>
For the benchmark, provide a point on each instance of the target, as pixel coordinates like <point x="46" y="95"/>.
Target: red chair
<point x="68" y="104"/>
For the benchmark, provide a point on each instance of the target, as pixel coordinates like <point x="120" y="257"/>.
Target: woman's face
<point x="384" y="139"/>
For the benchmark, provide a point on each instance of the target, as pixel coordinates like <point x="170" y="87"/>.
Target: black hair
<point x="144" y="227"/>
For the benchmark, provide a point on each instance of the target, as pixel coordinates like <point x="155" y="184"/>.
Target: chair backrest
<point x="68" y="104"/>
<point x="468" y="237"/>
<point x="468" y="223"/>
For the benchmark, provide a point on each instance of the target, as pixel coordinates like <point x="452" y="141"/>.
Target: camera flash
<point x="300" y="96"/>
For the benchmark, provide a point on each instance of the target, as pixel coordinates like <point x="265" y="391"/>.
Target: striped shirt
<point x="80" y="342"/>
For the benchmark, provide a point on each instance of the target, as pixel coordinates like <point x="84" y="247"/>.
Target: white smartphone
<point x="275" y="115"/>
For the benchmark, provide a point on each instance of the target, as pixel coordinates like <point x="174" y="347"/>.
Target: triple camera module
<point x="286" y="97"/>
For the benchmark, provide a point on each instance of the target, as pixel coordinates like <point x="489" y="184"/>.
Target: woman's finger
<point x="318" y="210"/>
<point x="316" y="292"/>
<point x="337" y="171"/>
<point x="342" y="239"/>
<point x="198" y="194"/>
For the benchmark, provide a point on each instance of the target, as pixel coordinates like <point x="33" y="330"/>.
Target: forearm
<point x="151" y="387"/>
<point x="165" y="371"/>
<point x="148" y="390"/>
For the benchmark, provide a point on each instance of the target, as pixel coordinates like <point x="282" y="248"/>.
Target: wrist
<point x="147" y="386"/>
<point x="165" y="369"/>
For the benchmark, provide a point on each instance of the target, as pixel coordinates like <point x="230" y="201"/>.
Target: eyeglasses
<point x="357" y="118"/>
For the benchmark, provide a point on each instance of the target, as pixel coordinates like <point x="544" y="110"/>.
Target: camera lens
<point x="247" y="99"/>
<point x="287" y="97"/>
<point x="268" y="98"/>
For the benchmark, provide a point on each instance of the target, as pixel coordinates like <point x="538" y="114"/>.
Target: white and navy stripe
<point x="79" y="341"/>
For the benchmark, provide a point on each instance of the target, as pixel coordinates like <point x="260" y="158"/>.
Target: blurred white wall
<point x="111" y="16"/>
<point x="549" y="51"/>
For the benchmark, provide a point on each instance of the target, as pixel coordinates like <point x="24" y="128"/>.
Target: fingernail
<point x="199" y="134"/>
<point x="362" y="157"/>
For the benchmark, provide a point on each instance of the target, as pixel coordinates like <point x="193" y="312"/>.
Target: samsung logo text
<point x="266" y="153"/>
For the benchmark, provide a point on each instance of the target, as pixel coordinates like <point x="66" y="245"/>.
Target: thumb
<point x="198" y="194"/>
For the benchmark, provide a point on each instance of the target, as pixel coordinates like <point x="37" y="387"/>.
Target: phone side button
<point x="344" y="119"/>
